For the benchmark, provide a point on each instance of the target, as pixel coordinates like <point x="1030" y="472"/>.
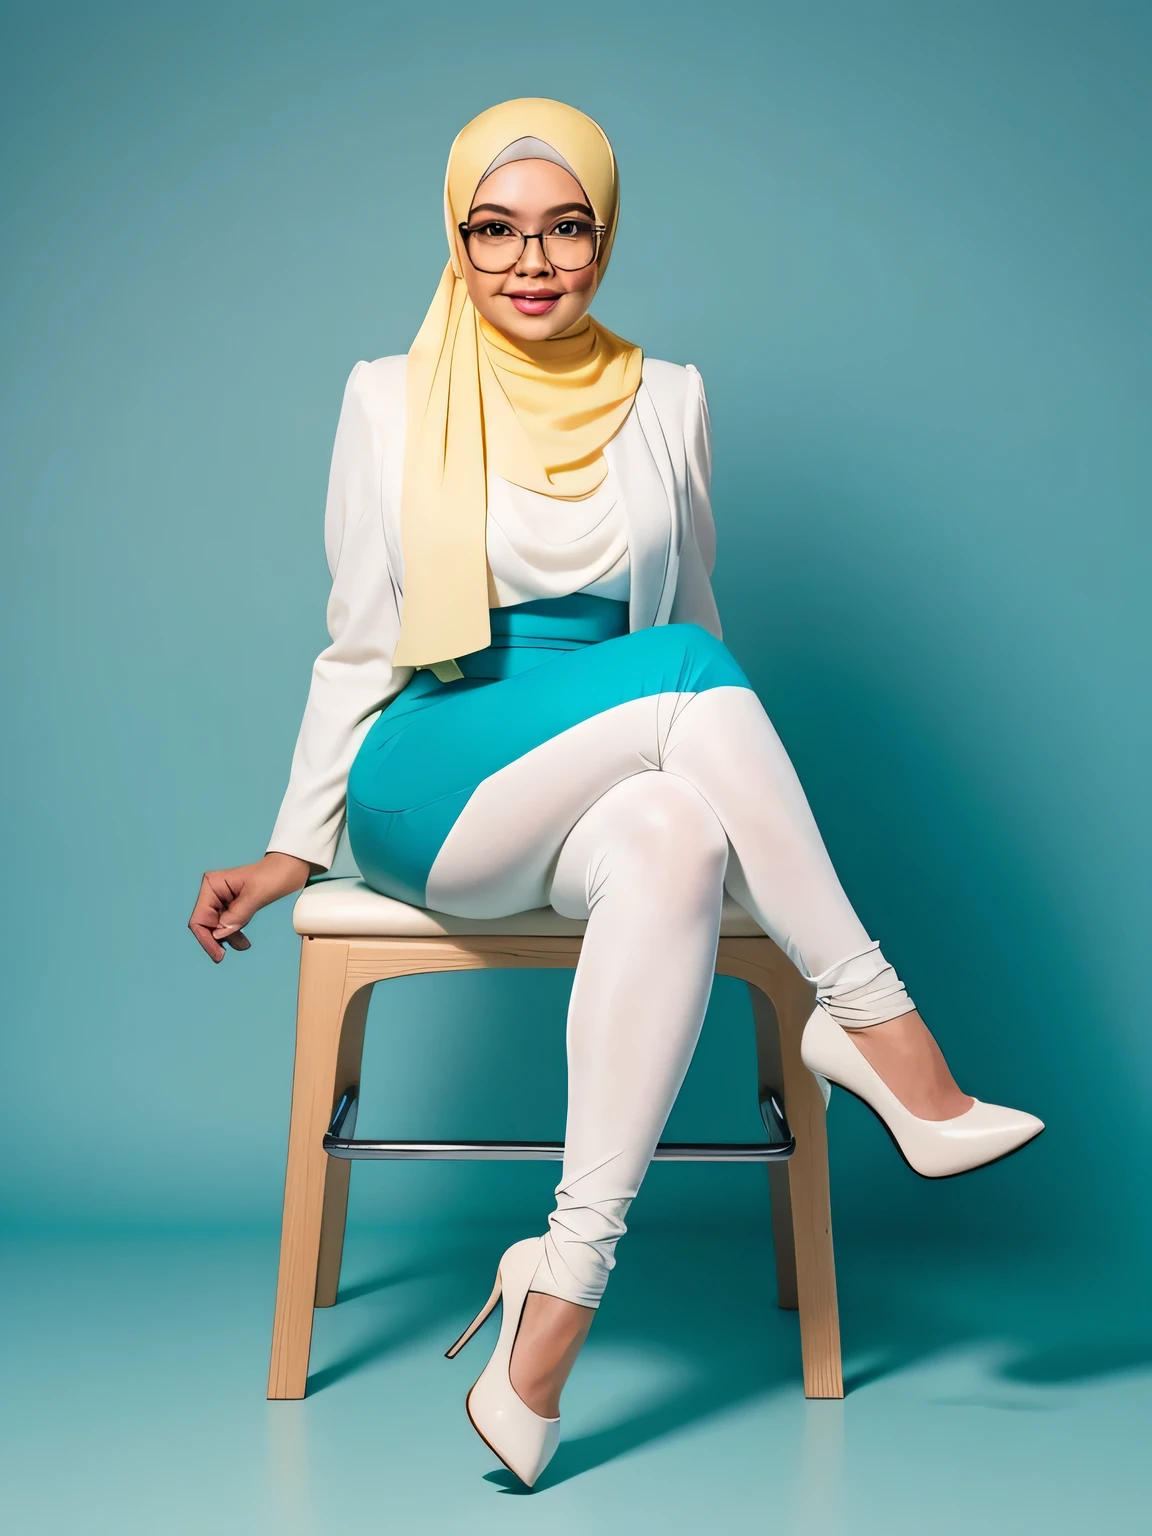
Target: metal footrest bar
<point x="339" y="1142"/>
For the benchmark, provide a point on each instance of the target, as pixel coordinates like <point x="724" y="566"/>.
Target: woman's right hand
<point x="229" y="898"/>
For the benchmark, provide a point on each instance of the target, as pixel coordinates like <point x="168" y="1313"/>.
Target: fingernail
<point x="224" y="928"/>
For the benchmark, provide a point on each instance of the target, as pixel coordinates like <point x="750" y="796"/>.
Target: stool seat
<point x="347" y="908"/>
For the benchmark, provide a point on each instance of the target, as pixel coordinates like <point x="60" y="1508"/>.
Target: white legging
<point x="637" y="819"/>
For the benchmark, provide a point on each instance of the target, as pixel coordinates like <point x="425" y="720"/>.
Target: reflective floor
<point x="999" y="1398"/>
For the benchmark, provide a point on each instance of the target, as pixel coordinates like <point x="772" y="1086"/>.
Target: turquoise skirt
<point x="551" y="665"/>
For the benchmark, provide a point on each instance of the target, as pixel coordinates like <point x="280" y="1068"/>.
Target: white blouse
<point x="539" y="546"/>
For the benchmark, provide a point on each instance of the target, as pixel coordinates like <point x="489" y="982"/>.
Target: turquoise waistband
<point x="523" y="636"/>
<point x="527" y="633"/>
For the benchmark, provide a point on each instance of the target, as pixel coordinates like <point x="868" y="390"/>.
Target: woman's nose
<point x="533" y="261"/>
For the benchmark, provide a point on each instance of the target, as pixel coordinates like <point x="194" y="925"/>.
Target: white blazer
<point x="662" y="458"/>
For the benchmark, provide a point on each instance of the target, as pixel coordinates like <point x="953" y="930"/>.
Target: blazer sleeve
<point x="353" y="677"/>
<point x="694" y="602"/>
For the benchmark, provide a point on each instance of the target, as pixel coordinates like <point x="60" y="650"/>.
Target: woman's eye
<point x="495" y="231"/>
<point x="569" y="229"/>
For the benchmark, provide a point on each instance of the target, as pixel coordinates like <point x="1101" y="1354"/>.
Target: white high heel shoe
<point x="937" y="1149"/>
<point x="524" y="1441"/>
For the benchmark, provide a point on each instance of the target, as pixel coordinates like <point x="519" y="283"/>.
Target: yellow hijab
<point x="538" y="414"/>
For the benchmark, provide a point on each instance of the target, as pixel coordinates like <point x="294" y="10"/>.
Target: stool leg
<point x="338" y="1170"/>
<point x="811" y="1209"/>
<point x="771" y="1075"/>
<point x="783" y="1240"/>
<point x="319" y="1024"/>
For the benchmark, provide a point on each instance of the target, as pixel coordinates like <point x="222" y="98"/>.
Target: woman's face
<point x="534" y="299"/>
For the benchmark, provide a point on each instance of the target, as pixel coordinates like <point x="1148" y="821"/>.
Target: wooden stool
<point x="352" y="937"/>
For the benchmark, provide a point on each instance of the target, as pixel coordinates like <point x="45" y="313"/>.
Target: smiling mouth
<point x="535" y="303"/>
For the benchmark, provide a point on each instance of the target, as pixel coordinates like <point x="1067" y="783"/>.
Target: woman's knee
<point x="668" y="825"/>
<point x="653" y="833"/>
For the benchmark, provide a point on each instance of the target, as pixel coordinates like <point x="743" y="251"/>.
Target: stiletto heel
<point x="524" y="1441"/>
<point x="481" y="1317"/>
<point x="935" y="1149"/>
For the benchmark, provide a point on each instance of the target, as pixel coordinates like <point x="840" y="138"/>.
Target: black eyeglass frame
<point x="598" y="230"/>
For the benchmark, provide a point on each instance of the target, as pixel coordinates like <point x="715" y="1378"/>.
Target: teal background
<point x="908" y="247"/>
<point x="907" y="243"/>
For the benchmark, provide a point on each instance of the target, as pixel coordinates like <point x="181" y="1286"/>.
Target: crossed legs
<point x="637" y="819"/>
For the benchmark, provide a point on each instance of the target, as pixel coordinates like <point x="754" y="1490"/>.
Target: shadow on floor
<point x="710" y="1307"/>
<point x="1083" y="1360"/>
<point x="412" y="1318"/>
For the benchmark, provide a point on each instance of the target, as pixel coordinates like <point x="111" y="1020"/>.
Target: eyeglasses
<point x="570" y="246"/>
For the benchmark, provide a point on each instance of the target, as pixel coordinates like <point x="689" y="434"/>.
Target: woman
<point x="526" y="702"/>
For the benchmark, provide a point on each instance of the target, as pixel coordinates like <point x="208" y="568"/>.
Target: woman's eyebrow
<point x="549" y="213"/>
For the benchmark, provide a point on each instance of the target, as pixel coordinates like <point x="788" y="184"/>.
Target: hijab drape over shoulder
<point x="536" y="413"/>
